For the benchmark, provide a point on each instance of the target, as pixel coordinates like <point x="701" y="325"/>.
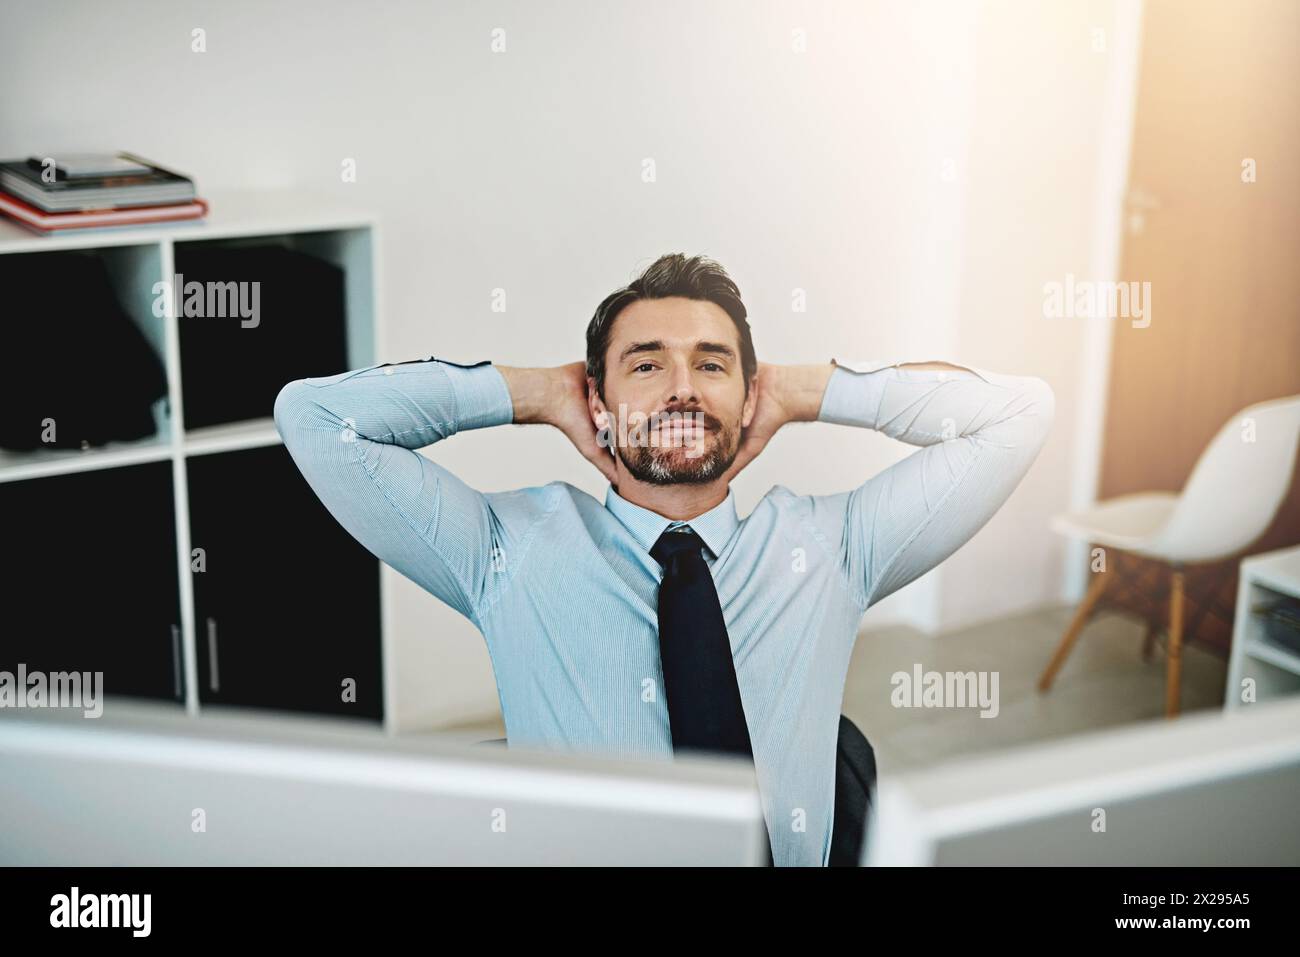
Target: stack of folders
<point x="93" y="190"/>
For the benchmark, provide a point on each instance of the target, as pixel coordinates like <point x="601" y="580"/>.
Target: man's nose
<point x="683" y="388"/>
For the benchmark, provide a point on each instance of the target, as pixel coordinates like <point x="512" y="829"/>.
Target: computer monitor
<point x="138" y="789"/>
<point x="1211" y="789"/>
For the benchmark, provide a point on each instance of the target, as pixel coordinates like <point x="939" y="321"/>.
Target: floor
<point x="1104" y="683"/>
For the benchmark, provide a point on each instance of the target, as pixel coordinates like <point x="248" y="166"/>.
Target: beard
<point x="676" y="465"/>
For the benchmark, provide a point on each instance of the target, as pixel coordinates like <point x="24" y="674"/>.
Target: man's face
<point x="674" y="391"/>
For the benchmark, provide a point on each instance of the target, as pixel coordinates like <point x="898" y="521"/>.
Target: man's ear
<point x="751" y="403"/>
<point x="595" y="405"/>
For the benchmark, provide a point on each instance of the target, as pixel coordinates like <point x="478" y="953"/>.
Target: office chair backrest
<point x="855" y="780"/>
<point x="1237" y="485"/>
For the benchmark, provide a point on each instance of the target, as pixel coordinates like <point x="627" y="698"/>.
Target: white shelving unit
<point x="140" y="257"/>
<point x="1275" y="668"/>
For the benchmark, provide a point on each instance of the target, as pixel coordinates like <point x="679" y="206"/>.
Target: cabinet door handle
<point x="213" y="684"/>
<point x="176" y="662"/>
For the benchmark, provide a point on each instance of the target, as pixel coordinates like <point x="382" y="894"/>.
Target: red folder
<point x="49" y="222"/>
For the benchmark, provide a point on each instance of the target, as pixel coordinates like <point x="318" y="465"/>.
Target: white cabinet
<point x="1269" y="582"/>
<point x="155" y="640"/>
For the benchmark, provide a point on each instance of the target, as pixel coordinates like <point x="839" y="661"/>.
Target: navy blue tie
<point x="704" y="708"/>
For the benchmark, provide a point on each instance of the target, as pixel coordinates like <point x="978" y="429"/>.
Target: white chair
<point x="1235" y="490"/>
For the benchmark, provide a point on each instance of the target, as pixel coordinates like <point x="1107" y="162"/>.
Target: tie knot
<point x="674" y="542"/>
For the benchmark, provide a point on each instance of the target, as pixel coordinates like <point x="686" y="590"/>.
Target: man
<point x="604" y="632"/>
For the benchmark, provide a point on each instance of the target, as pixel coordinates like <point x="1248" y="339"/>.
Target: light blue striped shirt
<point x="564" y="589"/>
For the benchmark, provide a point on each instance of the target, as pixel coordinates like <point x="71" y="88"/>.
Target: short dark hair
<point x="672" y="275"/>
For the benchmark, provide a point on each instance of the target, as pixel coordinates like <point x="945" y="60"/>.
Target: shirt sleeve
<point x="354" y="438"/>
<point x="980" y="432"/>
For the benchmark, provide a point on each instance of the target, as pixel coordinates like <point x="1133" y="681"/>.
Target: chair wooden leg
<point x="1174" y="663"/>
<point x="1072" y="633"/>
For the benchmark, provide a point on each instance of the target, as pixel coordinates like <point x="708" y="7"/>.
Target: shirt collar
<point x="715" y="526"/>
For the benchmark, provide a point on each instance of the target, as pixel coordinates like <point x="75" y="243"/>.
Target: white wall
<point x="1047" y="165"/>
<point x="821" y="170"/>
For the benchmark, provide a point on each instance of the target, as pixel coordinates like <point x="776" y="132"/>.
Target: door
<point x="286" y="602"/>
<point x="1214" y="225"/>
<point x="90" y="579"/>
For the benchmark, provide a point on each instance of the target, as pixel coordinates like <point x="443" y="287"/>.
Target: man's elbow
<point x="1041" y="408"/>
<point x="288" y="408"/>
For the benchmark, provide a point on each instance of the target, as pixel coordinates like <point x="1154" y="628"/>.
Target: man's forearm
<point x="800" y="388"/>
<point x="533" y="392"/>
<point x="925" y="403"/>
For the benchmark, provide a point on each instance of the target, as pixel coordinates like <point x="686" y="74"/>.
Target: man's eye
<point x="645" y="365"/>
